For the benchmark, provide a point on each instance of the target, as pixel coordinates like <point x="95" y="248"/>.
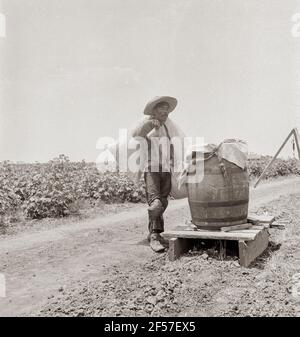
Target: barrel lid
<point x="232" y="150"/>
<point x="202" y="148"/>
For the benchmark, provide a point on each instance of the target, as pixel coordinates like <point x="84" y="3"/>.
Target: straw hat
<point x="172" y="101"/>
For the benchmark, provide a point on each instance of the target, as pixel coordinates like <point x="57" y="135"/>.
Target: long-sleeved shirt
<point x="159" y="148"/>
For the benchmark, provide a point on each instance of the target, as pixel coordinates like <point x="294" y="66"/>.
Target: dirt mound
<point x="198" y="284"/>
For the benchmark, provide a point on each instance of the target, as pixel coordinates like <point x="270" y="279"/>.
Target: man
<point x="157" y="171"/>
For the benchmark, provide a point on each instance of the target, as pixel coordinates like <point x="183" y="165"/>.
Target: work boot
<point x="155" y="243"/>
<point x="160" y="238"/>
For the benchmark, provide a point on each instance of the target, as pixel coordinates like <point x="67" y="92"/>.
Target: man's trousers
<point x="158" y="187"/>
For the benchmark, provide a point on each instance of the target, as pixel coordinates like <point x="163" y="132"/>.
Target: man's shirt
<point x="160" y="154"/>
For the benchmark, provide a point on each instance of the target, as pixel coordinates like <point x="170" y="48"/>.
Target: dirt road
<point x="104" y="266"/>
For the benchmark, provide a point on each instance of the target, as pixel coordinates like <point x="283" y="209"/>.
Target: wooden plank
<point x="258" y="226"/>
<point x="215" y="235"/>
<point x="242" y="231"/>
<point x="278" y="225"/>
<point x="261" y="218"/>
<point x="189" y="227"/>
<point x="266" y="225"/>
<point x="252" y="220"/>
<point x="236" y="227"/>
<point x="177" y="247"/>
<point x="249" y="251"/>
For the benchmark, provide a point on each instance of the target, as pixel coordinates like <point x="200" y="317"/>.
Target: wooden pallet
<point x="266" y="220"/>
<point x="252" y="242"/>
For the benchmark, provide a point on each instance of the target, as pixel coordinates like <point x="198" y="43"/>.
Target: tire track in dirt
<point x="198" y="284"/>
<point x="52" y="263"/>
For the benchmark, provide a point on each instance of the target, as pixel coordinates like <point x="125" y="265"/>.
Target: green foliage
<point x="9" y="200"/>
<point x="50" y="189"/>
<point x="279" y="168"/>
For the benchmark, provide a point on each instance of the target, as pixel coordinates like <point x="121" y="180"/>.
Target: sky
<point x="72" y="71"/>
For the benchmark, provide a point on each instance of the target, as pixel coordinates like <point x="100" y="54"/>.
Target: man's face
<point x="161" y="112"/>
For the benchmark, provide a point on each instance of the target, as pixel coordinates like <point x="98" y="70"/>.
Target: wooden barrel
<point x="219" y="200"/>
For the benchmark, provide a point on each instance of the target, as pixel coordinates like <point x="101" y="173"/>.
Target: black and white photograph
<point x="149" y="161"/>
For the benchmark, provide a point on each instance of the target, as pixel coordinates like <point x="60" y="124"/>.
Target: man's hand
<point x="156" y="123"/>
